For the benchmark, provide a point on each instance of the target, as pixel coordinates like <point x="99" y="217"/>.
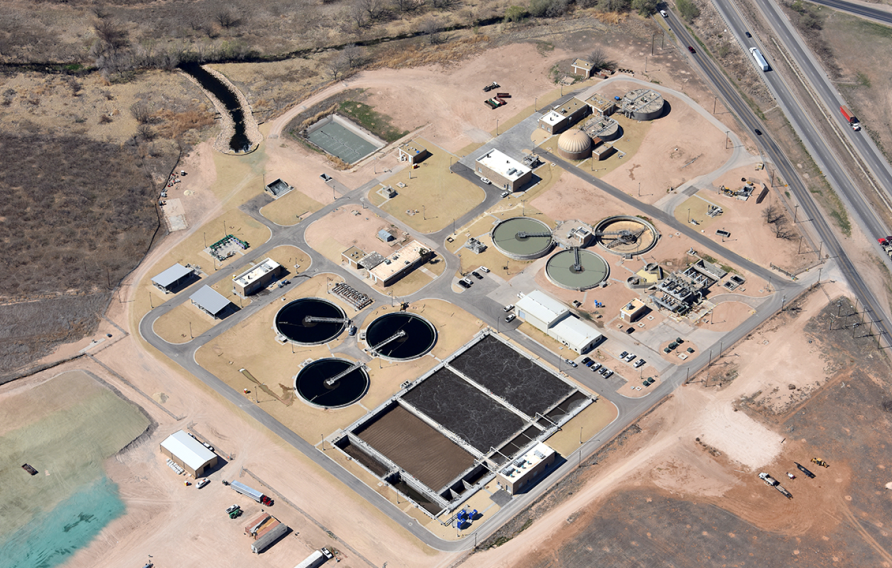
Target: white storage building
<point x="575" y="334"/>
<point x="188" y="453"/>
<point x="541" y="311"/>
<point x="555" y="319"/>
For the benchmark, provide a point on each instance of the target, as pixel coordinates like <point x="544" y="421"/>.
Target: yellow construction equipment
<point x="820" y="462"/>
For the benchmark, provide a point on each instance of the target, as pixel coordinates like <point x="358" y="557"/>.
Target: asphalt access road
<point x="475" y="302"/>
<point x="812" y="213"/>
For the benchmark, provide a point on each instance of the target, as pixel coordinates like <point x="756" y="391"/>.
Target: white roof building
<point x="189" y="451"/>
<point x="540" y="310"/>
<point x="520" y="473"/>
<point x="504" y="165"/>
<point x="552" y="118"/>
<point x="575" y="334"/>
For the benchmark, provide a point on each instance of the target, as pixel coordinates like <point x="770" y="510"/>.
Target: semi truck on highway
<point x="760" y="60"/>
<point x="850" y="118"/>
<point x="252" y="493"/>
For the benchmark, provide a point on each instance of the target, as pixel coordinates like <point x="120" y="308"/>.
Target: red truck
<point x="853" y="122"/>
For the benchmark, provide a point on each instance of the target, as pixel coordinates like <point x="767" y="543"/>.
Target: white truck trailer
<point x="760" y="60"/>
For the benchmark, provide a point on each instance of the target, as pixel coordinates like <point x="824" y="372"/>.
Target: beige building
<point x="564" y="116"/>
<point x="188" y="453"/>
<point x="601" y="105"/>
<point x="256" y="277"/>
<point x="399" y="264"/>
<point x="503" y="171"/>
<point x="583" y="68"/>
<point x="521" y="473"/>
<point x="632" y="311"/>
<point x="413" y="152"/>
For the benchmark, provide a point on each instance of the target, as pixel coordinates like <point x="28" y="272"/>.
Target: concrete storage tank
<point x="522" y="238"/>
<point x="642" y="104"/>
<point x="576" y="269"/>
<point x="575" y="144"/>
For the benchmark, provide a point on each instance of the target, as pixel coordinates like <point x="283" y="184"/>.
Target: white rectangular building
<point x="575" y="334"/>
<point x="188" y="453"/>
<point x="523" y="471"/>
<point x="541" y="311"/>
<point x="256" y="277"/>
<point x="553" y="122"/>
<point x="503" y="171"/>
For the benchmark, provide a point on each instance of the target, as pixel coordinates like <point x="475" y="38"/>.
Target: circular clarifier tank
<point x="522" y="238"/>
<point x="564" y="269"/>
<point x="331" y="383"/>
<point x="295" y="321"/>
<point x="401" y="336"/>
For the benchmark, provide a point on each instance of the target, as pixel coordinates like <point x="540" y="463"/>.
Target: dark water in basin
<point x="290" y="321"/>
<point x="239" y="141"/>
<point x="346" y="390"/>
<point x="419" y="339"/>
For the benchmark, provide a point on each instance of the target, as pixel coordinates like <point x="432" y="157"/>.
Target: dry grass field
<point x="432" y="197"/>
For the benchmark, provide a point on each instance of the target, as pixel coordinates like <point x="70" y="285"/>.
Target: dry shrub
<point x="175" y="124"/>
<point x="318" y="116"/>
<point x="338" y="163"/>
<point x="614" y="18"/>
<point x="418" y="55"/>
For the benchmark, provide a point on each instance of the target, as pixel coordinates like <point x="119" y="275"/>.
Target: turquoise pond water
<point x="52" y="537"/>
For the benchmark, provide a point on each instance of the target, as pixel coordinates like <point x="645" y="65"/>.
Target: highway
<point x="869" y="12"/>
<point x="822" y="85"/>
<point x="810" y="138"/>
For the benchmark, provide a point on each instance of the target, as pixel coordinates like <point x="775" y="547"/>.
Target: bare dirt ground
<point x="350" y="226"/>
<point x="694" y="460"/>
<point x="683" y="143"/>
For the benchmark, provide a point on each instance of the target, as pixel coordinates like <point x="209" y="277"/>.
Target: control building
<point x="256" y="277"/>
<point x="521" y="473"/>
<point x="399" y="264"/>
<point x="503" y="171"/>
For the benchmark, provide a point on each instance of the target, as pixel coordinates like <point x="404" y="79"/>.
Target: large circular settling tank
<point x="522" y="238"/>
<point x="576" y="269"/>
<point x="401" y="336"/>
<point x="296" y="321"/>
<point x="331" y="383"/>
<point x="626" y="235"/>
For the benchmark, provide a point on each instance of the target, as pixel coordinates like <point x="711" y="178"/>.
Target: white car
<point x="510" y="317"/>
<point x="484" y="269"/>
<point x="486" y="181"/>
<point x="639" y="363"/>
<point x="630" y="357"/>
<point x="202" y="483"/>
<point x="664" y="14"/>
